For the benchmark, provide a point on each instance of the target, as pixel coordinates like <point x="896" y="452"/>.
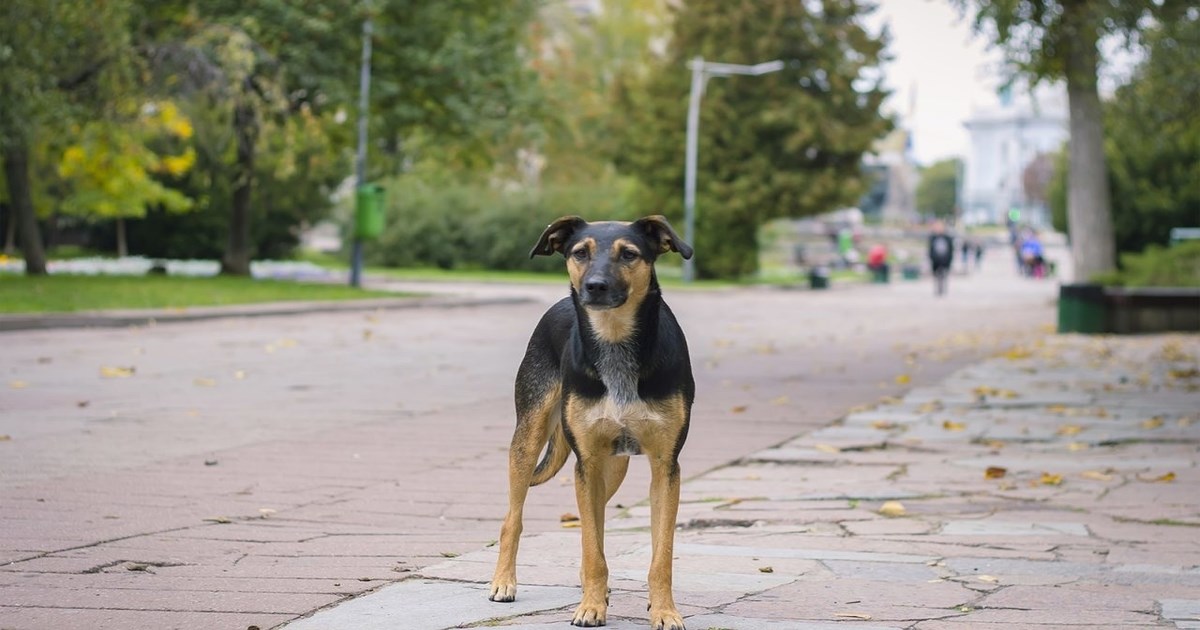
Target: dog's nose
<point x="595" y="286"/>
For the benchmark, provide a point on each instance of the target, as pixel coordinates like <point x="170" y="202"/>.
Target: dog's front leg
<point x="664" y="507"/>
<point x="590" y="494"/>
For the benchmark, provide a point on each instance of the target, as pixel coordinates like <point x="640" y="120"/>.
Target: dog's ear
<point x="556" y="236"/>
<point x="660" y="232"/>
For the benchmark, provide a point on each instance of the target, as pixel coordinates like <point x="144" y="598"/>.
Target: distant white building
<point x="1005" y="138"/>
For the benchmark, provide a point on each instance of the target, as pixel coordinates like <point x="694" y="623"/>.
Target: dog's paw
<point x="590" y="615"/>
<point x="503" y="591"/>
<point x="666" y="620"/>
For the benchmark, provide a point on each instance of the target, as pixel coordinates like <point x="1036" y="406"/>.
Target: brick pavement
<point x="250" y="471"/>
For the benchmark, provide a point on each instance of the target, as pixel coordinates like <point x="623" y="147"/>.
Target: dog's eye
<point x="629" y="255"/>
<point x="580" y="254"/>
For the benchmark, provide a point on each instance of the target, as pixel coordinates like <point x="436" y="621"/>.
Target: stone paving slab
<point x="1070" y="532"/>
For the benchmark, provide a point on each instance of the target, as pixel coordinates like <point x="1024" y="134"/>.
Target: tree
<point x="110" y="168"/>
<point x="937" y="194"/>
<point x="1059" y="39"/>
<point x="785" y="144"/>
<point x="59" y="60"/>
<point x="1153" y="141"/>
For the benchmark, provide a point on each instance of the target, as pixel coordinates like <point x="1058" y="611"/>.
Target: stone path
<point x="1053" y="486"/>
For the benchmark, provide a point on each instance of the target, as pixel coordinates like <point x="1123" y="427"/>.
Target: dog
<point x="606" y="375"/>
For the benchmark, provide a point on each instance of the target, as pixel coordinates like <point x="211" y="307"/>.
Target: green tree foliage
<point x="60" y="60"/>
<point x="937" y="194"/>
<point x="1059" y="39"/>
<point x="1152" y="142"/>
<point x="784" y="144"/>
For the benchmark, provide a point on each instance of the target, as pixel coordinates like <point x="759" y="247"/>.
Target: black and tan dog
<point x="606" y="375"/>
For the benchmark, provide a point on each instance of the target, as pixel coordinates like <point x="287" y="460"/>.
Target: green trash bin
<point x="368" y="211"/>
<point x="1082" y="308"/>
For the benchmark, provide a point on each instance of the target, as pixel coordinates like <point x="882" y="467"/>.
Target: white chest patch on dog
<point x="618" y="369"/>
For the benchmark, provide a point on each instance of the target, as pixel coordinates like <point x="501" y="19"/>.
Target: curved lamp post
<point x="701" y="71"/>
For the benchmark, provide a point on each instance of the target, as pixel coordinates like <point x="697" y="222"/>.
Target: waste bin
<point x="1082" y="308"/>
<point x="368" y="211"/>
<point x="910" y="272"/>
<point x="818" y="278"/>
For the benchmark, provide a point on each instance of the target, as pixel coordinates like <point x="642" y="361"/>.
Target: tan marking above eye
<point x="620" y="247"/>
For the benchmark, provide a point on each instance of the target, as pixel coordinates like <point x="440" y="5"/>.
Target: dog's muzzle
<point x="599" y="293"/>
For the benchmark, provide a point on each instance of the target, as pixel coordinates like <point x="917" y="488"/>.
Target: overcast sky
<point x="935" y="53"/>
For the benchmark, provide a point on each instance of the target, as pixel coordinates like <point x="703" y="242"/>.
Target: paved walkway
<point x="1051" y="487"/>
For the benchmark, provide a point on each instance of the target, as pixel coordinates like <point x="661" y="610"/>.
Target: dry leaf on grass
<point x="892" y="509"/>
<point x="995" y="472"/>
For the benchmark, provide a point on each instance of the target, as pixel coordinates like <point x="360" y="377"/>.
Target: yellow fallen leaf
<point x="571" y="524"/>
<point x="951" y="425"/>
<point x="1184" y="422"/>
<point x="892" y="508"/>
<point x="205" y="382"/>
<point x="738" y="409"/>
<point x="1050" y="479"/>
<point x="116" y="372"/>
<point x="889" y="400"/>
<point x="995" y="444"/>
<point x="766" y="570"/>
<point x="1007" y="393"/>
<point x="1070" y="429"/>
<point x="827" y="448"/>
<point x="1078" y="446"/>
<point x="883" y="425"/>
<point x="854" y="615"/>
<point x="903" y="379"/>
<point x="1018" y="352"/>
<point x="4" y="437"/>
<point x="1096" y="475"/>
<point x="1167" y="478"/>
<point x="1152" y="423"/>
<point x="990" y="579"/>
<point x="780" y="401"/>
<point x="995" y="472"/>
<point x="18" y="384"/>
<point x="1059" y="409"/>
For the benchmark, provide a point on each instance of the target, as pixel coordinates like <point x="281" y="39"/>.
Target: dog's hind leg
<point x="534" y="422"/>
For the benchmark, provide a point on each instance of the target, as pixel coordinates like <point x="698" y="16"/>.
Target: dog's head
<point x="610" y="261"/>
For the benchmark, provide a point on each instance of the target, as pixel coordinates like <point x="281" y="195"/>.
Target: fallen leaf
<point x="205" y="382"/>
<point x="1096" y="475"/>
<point x="4" y="437"/>
<point x="951" y="425"/>
<point x="445" y="554"/>
<point x="1059" y="409"/>
<point x="18" y="384"/>
<point x="903" y="379"/>
<point x="1166" y="478"/>
<point x="766" y="570"/>
<point x="780" y="401"/>
<point x="930" y="407"/>
<point x="367" y="334"/>
<point x="892" y="509"/>
<point x="219" y="519"/>
<point x="854" y="615"/>
<point x="1018" y="352"/>
<point x="995" y="444"/>
<point x="1152" y="423"/>
<point x="883" y="425"/>
<point x="136" y="566"/>
<point x="738" y="409"/>
<point x="572" y="524"/>
<point x="83" y="403"/>
<point x="990" y="579"/>
<point x="826" y="448"/>
<point x="889" y="400"/>
<point x="1188" y="373"/>
<point x="1078" y="446"/>
<point x="1070" y="429"/>
<point x="568" y="517"/>
<point x="116" y="372"/>
<point x="265" y="512"/>
<point x="995" y="472"/>
<point x="1050" y="479"/>
<point x="239" y="374"/>
<point x="287" y="343"/>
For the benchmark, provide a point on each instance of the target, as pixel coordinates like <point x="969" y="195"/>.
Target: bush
<point x="1175" y="266"/>
<point x="434" y="222"/>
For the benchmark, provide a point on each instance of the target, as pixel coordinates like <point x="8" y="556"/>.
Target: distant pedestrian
<point x="966" y="254"/>
<point x="978" y="253"/>
<point x="941" y="255"/>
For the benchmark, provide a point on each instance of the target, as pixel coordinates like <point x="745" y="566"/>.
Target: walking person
<point x="941" y="255"/>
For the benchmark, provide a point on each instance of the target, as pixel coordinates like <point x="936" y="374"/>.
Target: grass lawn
<point x="66" y="293"/>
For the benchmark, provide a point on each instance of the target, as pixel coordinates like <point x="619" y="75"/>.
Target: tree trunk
<point x="122" y="244"/>
<point x="16" y="169"/>
<point x="237" y="254"/>
<point x="1089" y="206"/>
<point x="10" y="232"/>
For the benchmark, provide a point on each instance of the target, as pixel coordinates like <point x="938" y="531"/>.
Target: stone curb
<point x="144" y="317"/>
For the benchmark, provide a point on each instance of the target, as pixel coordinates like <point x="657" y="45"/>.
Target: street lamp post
<point x="701" y="71"/>
<point x="360" y="160"/>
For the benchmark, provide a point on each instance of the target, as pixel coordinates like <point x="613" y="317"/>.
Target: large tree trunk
<point x="237" y="254"/>
<point x="10" y="232"/>
<point x="122" y="244"/>
<point x="1089" y="206"/>
<point x="16" y="169"/>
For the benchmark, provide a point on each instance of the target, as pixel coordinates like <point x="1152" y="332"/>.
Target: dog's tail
<point x="557" y="450"/>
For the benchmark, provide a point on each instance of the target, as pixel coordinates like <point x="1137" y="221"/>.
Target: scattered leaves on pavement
<point x="951" y="425"/>
<point x="116" y="372"/>
<point x="892" y="509"/>
<point x="995" y="472"/>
